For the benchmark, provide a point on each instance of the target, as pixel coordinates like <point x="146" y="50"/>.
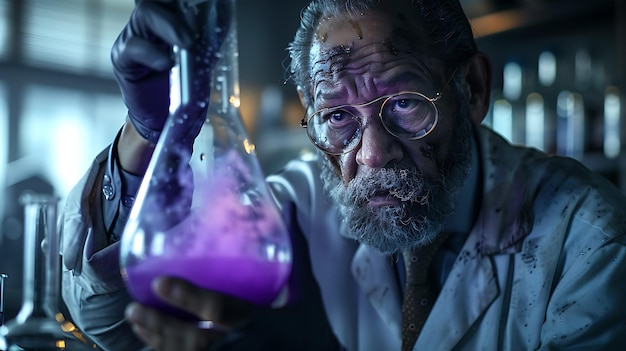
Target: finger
<point x="187" y="297"/>
<point x="137" y="50"/>
<point x="207" y="305"/>
<point x="164" y="332"/>
<point x="146" y="42"/>
<point x="140" y="321"/>
<point x="156" y="19"/>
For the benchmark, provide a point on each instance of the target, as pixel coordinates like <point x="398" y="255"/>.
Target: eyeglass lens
<point x="408" y="115"/>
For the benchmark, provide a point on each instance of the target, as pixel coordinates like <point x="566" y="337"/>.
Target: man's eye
<point x="407" y="105"/>
<point x="337" y="117"/>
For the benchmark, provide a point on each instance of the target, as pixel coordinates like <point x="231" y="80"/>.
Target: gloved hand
<point x="142" y="54"/>
<point x="142" y="58"/>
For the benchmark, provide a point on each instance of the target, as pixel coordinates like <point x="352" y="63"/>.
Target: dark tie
<point x="419" y="292"/>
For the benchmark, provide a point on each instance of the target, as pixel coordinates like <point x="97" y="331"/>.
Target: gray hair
<point x="444" y="22"/>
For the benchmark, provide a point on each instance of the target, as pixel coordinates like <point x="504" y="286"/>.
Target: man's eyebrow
<point x="396" y="80"/>
<point x="328" y="95"/>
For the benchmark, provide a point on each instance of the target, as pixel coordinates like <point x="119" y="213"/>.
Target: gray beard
<point x="425" y="201"/>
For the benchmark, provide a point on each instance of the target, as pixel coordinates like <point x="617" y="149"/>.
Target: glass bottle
<point x="39" y="324"/>
<point x="2" y="279"/>
<point x="203" y="211"/>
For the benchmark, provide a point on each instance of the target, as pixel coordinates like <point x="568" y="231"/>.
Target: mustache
<point x="407" y="184"/>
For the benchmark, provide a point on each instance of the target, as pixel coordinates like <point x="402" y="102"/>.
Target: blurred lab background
<point x="559" y="85"/>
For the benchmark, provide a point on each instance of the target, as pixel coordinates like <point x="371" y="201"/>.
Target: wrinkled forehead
<point x="399" y="24"/>
<point x="371" y="43"/>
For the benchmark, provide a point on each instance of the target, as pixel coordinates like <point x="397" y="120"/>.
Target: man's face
<point x="393" y="194"/>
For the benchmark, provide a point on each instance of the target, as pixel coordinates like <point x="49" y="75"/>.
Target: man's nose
<point x="378" y="147"/>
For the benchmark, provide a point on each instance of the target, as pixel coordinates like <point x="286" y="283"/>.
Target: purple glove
<point x="142" y="54"/>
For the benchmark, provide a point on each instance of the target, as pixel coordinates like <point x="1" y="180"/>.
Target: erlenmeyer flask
<point x="40" y="325"/>
<point x="204" y="212"/>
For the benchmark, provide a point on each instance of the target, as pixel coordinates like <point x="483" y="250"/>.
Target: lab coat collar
<point x="504" y="219"/>
<point x="376" y="277"/>
<point x="464" y="215"/>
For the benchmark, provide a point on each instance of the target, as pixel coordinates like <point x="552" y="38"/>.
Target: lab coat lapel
<point x="469" y="290"/>
<point x="375" y="274"/>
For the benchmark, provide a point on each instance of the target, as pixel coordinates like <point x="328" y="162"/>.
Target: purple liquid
<point x="232" y="240"/>
<point x="250" y="279"/>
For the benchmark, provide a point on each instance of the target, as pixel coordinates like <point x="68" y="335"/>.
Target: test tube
<point x="2" y="278"/>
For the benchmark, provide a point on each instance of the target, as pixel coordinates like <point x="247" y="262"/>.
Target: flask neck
<point x="211" y="65"/>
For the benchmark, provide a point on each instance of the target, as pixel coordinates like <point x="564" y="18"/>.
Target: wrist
<point x="143" y="130"/>
<point x="133" y="150"/>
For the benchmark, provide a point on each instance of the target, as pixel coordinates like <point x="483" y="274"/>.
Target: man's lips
<point x="383" y="199"/>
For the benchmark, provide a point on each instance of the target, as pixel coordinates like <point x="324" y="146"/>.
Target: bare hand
<point x="165" y="332"/>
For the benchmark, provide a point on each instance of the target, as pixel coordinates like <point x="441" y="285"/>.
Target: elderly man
<point x="417" y="228"/>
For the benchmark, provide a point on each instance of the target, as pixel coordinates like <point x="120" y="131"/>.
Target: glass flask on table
<point x="204" y="212"/>
<point x="40" y="325"/>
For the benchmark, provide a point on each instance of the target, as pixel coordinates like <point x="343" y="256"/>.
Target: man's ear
<point x="478" y="76"/>
<point x="301" y="96"/>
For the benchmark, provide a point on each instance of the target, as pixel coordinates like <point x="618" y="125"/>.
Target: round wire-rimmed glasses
<point x="408" y="115"/>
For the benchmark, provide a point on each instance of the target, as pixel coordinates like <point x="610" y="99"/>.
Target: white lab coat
<point x="544" y="267"/>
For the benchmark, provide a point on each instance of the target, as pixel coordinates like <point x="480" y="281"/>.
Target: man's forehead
<point x="374" y="64"/>
<point x="367" y="44"/>
<point x="352" y="31"/>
